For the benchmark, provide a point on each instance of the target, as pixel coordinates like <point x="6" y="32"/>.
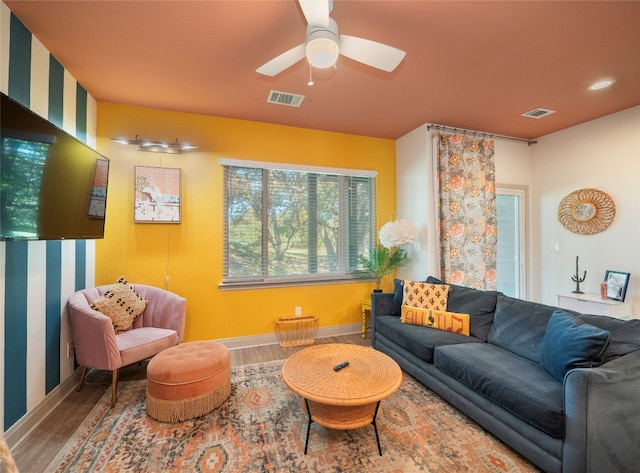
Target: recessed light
<point x="601" y="84"/>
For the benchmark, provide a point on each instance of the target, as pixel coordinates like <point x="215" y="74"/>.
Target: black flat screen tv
<point x="52" y="186"/>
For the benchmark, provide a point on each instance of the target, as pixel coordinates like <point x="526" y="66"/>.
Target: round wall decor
<point x="587" y="211"/>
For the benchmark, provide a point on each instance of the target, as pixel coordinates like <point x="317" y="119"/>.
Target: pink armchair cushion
<point x="142" y="343"/>
<point x="164" y="309"/>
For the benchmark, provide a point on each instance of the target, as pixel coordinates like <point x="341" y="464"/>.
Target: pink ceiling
<point x="469" y="64"/>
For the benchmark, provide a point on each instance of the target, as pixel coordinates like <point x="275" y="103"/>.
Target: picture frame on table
<point x="617" y="282"/>
<point x="157" y="195"/>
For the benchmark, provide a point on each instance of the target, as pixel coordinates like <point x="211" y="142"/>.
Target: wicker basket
<point x="297" y="330"/>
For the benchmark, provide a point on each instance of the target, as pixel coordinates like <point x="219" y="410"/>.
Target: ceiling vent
<point x="538" y="113"/>
<point x="284" y="98"/>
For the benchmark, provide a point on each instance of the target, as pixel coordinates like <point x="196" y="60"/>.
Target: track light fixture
<point x="156" y="146"/>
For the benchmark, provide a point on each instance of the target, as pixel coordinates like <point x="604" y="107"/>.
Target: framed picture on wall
<point x="617" y="283"/>
<point x="156" y="195"/>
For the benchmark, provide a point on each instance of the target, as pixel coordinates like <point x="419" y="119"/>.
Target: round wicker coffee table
<point x="344" y="399"/>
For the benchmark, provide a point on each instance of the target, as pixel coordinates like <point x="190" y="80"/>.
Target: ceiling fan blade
<point x="316" y="12"/>
<point x="371" y="53"/>
<point x="282" y="62"/>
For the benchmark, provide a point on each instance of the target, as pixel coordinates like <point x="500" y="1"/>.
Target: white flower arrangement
<point x="398" y="232"/>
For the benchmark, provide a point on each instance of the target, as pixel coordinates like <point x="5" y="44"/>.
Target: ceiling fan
<point x="323" y="45"/>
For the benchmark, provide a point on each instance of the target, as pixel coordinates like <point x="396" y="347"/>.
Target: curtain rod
<point x="463" y="130"/>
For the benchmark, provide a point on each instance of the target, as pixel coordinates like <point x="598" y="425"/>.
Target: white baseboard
<point x="272" y="338"/>
<point x="31" y="419"/>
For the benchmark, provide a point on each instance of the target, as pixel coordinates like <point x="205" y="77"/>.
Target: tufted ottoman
<point x="188" y="380"/>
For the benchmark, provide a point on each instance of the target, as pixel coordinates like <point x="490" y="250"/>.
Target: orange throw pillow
<point x="438" y="319"/>
<point x="425" y="295"/>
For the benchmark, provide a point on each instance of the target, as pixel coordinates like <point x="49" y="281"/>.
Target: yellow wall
<point x="190" y="253"/>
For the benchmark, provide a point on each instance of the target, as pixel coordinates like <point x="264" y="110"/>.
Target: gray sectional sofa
<point x="561" y="388"/>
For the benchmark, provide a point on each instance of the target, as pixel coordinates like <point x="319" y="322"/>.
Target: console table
<point x="594" y="304"/>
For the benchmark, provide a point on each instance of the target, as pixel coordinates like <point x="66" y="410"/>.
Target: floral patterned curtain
<point x="467" y="209"/>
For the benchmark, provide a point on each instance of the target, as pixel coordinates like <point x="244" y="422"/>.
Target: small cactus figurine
<point x="577" y="279"/>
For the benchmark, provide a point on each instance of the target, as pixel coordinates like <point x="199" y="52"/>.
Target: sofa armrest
<point x="602" y="417"/>
<point x="381" y="304"/>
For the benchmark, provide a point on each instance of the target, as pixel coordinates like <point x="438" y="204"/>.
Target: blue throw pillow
<point x="570" y="343"/>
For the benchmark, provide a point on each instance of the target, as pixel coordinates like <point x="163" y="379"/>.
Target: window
<point x="510" y="205"/>
<point x="292" y="223"/>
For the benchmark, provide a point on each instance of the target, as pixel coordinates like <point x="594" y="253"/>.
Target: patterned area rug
<point x="262" y="428"/>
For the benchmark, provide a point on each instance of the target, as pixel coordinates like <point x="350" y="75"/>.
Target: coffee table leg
<point x="375" y="428"/>
<point x="373" y="422"/>
<point x="306" y="442"/>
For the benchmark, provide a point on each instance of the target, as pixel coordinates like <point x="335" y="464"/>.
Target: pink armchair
<point x="97" y="346"/>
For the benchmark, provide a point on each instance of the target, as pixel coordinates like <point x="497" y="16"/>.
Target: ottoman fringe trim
<point x="176" y="411"/>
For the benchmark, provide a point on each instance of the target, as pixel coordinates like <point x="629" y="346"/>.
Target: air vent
<point x="538" y="113"/>
<point x="284" y="98"/>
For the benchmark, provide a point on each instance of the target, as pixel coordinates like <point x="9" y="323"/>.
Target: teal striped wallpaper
<point x="38" y="277"/>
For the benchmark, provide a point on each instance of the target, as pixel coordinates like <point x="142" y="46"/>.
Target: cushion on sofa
<point x="519" y="326"/>
<point x="417" y="340"/>
<point x="518" y="385"/>
<point x="570" y="343"/>
<point x="480" y="305"/>
<point x="625" y="334"/>
<point x="425" y="295"/>
<point x="438" y="319"/>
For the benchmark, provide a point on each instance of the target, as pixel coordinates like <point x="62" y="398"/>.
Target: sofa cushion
<point x="417" y="340"/>
<point x="519" y="326"/>
<point x="480" y="305"/>
<point x="438" y="319"/>
<point x="570" y="343"/>
<point x="625" y="334"/>
<point x="515" y="383"/>
<point x="425" y="295"/>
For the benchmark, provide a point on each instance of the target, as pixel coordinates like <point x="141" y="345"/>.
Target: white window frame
<point x="294" y="280"/>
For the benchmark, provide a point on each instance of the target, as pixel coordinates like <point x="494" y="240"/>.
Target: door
<point x="511" y="250"/>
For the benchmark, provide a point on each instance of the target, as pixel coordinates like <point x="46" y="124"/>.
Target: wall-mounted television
<point x="52" y="186"/>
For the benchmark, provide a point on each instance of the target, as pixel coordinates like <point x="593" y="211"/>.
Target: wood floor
<point x="34" y="453"/>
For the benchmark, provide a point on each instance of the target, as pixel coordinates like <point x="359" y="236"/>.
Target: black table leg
<point x="373" y="422"/>
<point x="306" y="442"/>
<point x="375" y="428"/>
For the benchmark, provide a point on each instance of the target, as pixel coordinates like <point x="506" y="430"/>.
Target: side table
<point x="365" y="305"/>
<point x="594" y="304"/>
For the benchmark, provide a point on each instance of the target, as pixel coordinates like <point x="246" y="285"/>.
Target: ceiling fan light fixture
<point x="322" y="47"/>
<point x="322" y="52"/>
